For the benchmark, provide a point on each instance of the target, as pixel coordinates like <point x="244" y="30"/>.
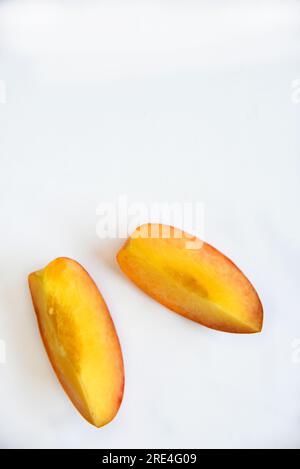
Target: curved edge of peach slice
<point x="80" y="338"/>
<point x="191" y="278"/>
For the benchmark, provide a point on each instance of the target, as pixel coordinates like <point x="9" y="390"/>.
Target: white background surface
<point x="163" y="102"/>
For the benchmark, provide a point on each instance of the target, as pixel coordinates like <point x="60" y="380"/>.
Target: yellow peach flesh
<point x="201" y="283"/>
<point x="80" y="338"/>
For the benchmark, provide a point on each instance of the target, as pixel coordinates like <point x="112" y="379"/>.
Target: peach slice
<point x="80" y="338"/>
<point x="191" y="278"/>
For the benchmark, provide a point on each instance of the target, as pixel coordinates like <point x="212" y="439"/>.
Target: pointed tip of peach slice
<point x="191" y="278"/>
<point x="80" y="338"/>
